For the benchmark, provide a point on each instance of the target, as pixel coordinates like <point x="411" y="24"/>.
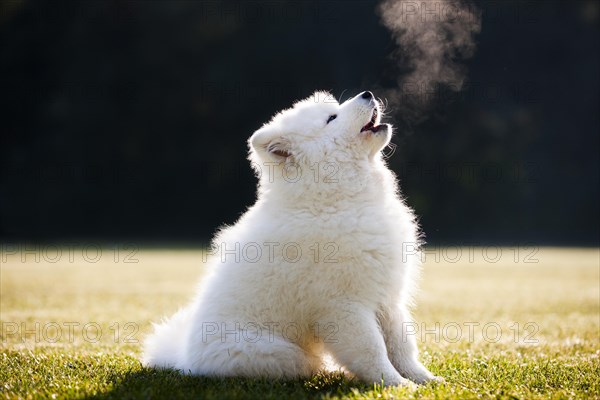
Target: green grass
<point x="548" y="314"/>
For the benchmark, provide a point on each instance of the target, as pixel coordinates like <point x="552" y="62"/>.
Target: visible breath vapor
<point x="433" y="37"/>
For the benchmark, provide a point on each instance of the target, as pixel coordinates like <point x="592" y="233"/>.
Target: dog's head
<point x="320" y="141"/>
<point x="319" y="128"/>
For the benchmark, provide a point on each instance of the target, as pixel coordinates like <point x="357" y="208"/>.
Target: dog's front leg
<point x="357" y="344"/>
<point x="399" y="335"/>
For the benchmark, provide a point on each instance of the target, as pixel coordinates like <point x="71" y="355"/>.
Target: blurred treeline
<point x="129" y="119"/>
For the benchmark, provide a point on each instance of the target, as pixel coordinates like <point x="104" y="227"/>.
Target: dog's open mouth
<point x="370" y="126"/>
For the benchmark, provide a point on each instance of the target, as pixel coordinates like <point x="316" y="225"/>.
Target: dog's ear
<point x="270" y="144"/>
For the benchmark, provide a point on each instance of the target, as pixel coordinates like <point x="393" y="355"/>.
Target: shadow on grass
<point x="168" y="384"/>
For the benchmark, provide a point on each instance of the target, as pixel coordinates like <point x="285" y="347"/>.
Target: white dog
<point x="323" y="263"/>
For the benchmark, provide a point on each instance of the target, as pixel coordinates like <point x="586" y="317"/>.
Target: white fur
<point x="324" y="262"/>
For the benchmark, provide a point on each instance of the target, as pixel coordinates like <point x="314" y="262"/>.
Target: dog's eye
<point x="331" y="118"/>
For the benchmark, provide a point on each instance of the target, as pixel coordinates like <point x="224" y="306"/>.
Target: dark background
<point x="128" y="120"/>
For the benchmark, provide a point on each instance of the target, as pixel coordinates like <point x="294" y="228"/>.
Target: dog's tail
<point x="165" y="347"/>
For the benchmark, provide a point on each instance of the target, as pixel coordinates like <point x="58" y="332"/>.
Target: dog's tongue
<point x="367" y="127"/>
<point x="370" y="127"/>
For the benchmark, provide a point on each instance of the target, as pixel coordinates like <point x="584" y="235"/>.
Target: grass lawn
<point x="496" y="323"/>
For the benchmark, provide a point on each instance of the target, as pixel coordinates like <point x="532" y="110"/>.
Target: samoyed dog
<point x="323" y="264"/>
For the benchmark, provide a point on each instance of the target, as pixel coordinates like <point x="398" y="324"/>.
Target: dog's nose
<point x="367" y="95"/>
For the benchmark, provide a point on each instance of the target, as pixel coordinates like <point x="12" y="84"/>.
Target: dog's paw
<point x="430" y="379"/>
<point x="402" y="382"/>
<point x="423" y="376"/>
<point x="437" y="379"/>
